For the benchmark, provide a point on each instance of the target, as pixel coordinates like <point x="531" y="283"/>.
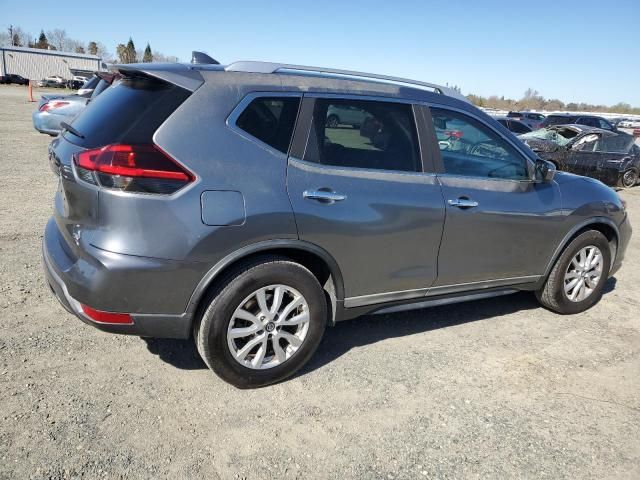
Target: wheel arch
<point x="602" y="224"/>
<point x="316" y="259"/>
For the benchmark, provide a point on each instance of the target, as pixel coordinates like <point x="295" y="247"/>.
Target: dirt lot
<point x="497" y="388"/>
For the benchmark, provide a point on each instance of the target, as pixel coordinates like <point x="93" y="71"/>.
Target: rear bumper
<point x="48" y="123"/>
<point x="71" y="280"/>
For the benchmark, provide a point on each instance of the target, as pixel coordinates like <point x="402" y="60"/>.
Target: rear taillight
<point x="52" y="105"/>
<point x="132" y="168"/>
<point x="107" y="317"/>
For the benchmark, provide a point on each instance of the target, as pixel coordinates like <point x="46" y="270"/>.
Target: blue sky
<point x="573" y="50"/>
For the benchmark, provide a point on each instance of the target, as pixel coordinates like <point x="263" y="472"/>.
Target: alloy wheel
<point x="268" y="327"/>
<point x="583" y="274"/>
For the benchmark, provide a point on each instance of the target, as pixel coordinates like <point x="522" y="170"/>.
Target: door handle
<point x="325" y="196"/>
<point x="463" y="203"/>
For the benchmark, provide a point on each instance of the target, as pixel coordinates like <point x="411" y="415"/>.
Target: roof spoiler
<point x="174" y="73"/>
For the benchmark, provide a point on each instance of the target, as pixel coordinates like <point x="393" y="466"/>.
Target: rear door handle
<point x="463" y="203"/>
<point x="325" y="196"/>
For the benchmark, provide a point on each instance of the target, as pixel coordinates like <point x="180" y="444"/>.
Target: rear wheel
<point x="578" y="277"/>
<point x="263" y="323"/>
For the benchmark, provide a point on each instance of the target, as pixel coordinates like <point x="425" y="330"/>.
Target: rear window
<point x="271" y="120"/>
<point x="130" y="111"/>
<point x="92" y="82"/>
<point x="514" y="115"/>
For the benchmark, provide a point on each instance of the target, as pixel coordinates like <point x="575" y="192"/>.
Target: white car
<point x="52" y="81"/>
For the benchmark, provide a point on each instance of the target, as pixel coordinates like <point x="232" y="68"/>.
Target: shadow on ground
<point x="371" y="329"/>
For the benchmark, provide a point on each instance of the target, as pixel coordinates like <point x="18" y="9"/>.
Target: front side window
<point x="363" y="134"/>
<point x="588" y="143"/>
<point x="604" y="124"/>
<point x="469" y="148"/>
<point x="271" y="120"/>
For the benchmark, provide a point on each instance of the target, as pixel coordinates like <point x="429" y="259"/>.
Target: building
<point x="36" y="64"/>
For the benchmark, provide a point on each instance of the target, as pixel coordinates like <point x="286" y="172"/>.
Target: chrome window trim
<point x="232" y="118"/>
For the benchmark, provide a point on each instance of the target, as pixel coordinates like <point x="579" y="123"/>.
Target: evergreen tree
<point x="148" y="56"/>
<point x="42" y="41"/>
<point x="131" y="52"/>
<point x="92" y="48"/>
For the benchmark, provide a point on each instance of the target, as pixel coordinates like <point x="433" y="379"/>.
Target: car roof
<point x="583" y="128"/>
<point x="287" y="77"/>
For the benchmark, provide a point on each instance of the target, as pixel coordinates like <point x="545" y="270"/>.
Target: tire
<point x="629" y="178"/>
<point x="219" y="315"/>
<point x="553" y="295"/>
<point x="333" y="121"/>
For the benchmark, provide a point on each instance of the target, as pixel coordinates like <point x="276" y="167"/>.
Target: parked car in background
<point x="348" y="115"/>
<point x="89" y="85"/>
<point x="14" y="78"/>
<point x="219" y="203"/>
<point x="55" y="81"/>
<point x="516" y="126"/>
<point x="629" y="123"/>
<point x="55" y="109"/>
<point x="76" y="82"/>
<point x="611" y="157"/>
<point x="574" y="119"/>
<point x="532" y="119"/>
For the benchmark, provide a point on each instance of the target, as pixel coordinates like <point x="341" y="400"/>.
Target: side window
<point x="519" y="127"/>
<point x="615" y="144"/>
<point x="588" y="143"/>
<point x="604" y="124"/>
<point x="470" y="148"/>
<point x="271" y="120"/>
<point x="363" y="134"/>
<point x="590" y="122"/>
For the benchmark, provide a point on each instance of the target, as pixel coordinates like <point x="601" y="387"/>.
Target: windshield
<point x="558" y="136"/>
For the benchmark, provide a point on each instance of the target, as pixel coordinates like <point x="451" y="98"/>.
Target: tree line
<point x="532" y="100"/>
<point x="57" y="39"/>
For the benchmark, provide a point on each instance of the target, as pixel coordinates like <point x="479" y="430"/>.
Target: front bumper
<point x="65" y="275"/>
<point x="624" y="236"/>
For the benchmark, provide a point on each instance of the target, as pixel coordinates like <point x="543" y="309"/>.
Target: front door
<point x="501" y="227"/>
<point x="360" y="194"/>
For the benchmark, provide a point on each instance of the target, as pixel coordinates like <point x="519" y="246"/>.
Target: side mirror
<point x="544" y="171"/>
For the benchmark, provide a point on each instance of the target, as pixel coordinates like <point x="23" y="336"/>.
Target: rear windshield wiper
<point x="70" y="129"/>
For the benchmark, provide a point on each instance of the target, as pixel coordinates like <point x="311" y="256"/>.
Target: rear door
<point x="361" y="195"/>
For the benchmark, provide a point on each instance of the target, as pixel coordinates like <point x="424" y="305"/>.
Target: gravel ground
<point x="498" y="388"/>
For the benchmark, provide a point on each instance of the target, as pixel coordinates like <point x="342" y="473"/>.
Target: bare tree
<point x="59" y="39"/>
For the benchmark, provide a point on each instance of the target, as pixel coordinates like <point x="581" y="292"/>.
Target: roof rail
<point x="268" y="67"/>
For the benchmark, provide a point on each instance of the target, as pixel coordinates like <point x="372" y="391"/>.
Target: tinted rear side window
<point x="519" y="127"/>
<point x="378" y="135"/>
<point x="271" y="120"/>
<point x="558" y="120"/>
<point x="129" y="111"/>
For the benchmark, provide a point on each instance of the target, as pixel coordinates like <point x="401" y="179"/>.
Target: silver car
<point x="216" y="202"/>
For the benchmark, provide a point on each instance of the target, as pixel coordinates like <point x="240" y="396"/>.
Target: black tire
<point x="552" y="294"/>
<point x="629" y="178"/>
<point x="210" y="332"/>
<point x="333" y="121"/>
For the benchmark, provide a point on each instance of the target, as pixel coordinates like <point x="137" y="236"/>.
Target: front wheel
<point x="629" y="178"/>
<point x="263" y="323"/>
<point x="577" y="279"/>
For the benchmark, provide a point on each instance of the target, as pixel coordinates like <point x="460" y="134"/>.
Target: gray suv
<point x="218" y="202"/>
